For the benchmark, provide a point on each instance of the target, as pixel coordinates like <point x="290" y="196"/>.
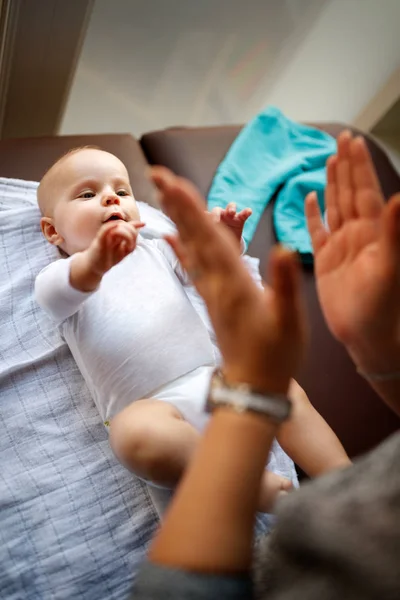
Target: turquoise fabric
<point x="274" y="155"/>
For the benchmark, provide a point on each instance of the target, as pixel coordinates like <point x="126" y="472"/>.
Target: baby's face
<point x="90" y="188"/>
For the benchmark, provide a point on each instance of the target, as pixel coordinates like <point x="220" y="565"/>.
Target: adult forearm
<point x="209" y="527"/>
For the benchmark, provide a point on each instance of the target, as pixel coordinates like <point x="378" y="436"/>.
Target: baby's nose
<point x="111" y="199"/>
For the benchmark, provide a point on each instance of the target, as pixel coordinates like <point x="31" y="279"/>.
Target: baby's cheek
<point x="82" y="231"/>
<point x="135" y="214"/>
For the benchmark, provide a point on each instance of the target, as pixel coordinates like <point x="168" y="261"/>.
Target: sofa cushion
<point x="195" y="152"/>
<point x="31" y="157"/>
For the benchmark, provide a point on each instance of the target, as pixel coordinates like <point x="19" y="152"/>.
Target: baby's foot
<point x="272" y="487"/>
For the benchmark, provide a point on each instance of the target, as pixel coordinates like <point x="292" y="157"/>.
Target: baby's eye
<point x="87" y="195"/>
<point x="122" y="193"/>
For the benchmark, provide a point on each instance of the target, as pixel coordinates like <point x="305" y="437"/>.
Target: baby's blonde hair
<point x="43" y="203"/>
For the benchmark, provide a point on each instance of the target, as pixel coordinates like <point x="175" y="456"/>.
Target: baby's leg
<point x="151" y="438"/>
<point x="272" y="486"/>
<point x="308" y="439"/>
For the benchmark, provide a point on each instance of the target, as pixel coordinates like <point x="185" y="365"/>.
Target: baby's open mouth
<point x="115" y="217"/>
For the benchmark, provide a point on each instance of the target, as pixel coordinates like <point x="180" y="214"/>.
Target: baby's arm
<point x="54" y="293"/>
<point x="307" y="438"/>
<point x="64" y="285"/>
<point x="113" y="242"/>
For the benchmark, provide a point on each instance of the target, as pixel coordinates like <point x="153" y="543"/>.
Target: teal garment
<point x="274" y="155"/>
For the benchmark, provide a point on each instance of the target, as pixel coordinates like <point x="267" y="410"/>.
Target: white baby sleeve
<point x="54" y="292"/>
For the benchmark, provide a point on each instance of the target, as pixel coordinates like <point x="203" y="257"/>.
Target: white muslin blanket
<point x="74" y="523"/>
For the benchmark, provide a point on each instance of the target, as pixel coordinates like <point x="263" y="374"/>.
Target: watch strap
<point x="241" y="398"/>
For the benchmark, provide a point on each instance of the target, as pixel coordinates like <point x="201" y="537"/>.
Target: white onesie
<point x="136" y="333"/>
<point x="144" y="333"/>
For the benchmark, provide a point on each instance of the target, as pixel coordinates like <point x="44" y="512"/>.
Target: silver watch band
<point x="241" y="398"/>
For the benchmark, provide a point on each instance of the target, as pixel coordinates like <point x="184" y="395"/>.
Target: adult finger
<point x="285" y="282"/>
<point x="182" y="202"/>
<point x="315" y="225"/>
<point x="206" y="245"/>
<point x="213" y="245"/>
<point x="179" y="249"/>
<point x="345" y="192"/>
<point x="331" y="202"/>
<point x="369" y="198"/>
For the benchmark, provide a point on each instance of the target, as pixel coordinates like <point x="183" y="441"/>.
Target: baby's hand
<point x="114" y="241"/>
<point x="233" y="220"/>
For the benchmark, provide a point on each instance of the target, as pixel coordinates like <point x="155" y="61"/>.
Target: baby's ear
<point x="50" y="232"/>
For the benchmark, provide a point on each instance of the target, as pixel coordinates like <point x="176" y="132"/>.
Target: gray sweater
<point x="337" y="538"/>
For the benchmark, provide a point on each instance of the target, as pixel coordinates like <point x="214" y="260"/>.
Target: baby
<point x="144" y="351"/>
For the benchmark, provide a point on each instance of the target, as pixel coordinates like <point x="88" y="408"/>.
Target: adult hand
<point x="261" y="334"/>
<point x="209" y="527"/>
<point x="357" y="261"/>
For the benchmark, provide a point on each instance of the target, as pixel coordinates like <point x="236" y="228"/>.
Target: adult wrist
<point x="264" y="382"/>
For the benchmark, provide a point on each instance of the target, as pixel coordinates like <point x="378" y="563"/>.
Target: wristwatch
<point x="241" y="397"/>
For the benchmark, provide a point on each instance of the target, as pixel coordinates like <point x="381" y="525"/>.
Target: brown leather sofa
<point x="348" y="404"/>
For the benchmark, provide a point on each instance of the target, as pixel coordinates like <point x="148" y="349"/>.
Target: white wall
<point x="352" y="49"/>
<point x="147" y="64"/>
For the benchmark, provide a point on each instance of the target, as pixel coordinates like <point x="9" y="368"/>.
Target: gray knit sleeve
<point x="162" y="583"/>
<point x="338" y="537"/>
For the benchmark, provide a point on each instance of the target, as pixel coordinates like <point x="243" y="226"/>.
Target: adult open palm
<point x="261" y="334"/>
<point x="357" y="263"/>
